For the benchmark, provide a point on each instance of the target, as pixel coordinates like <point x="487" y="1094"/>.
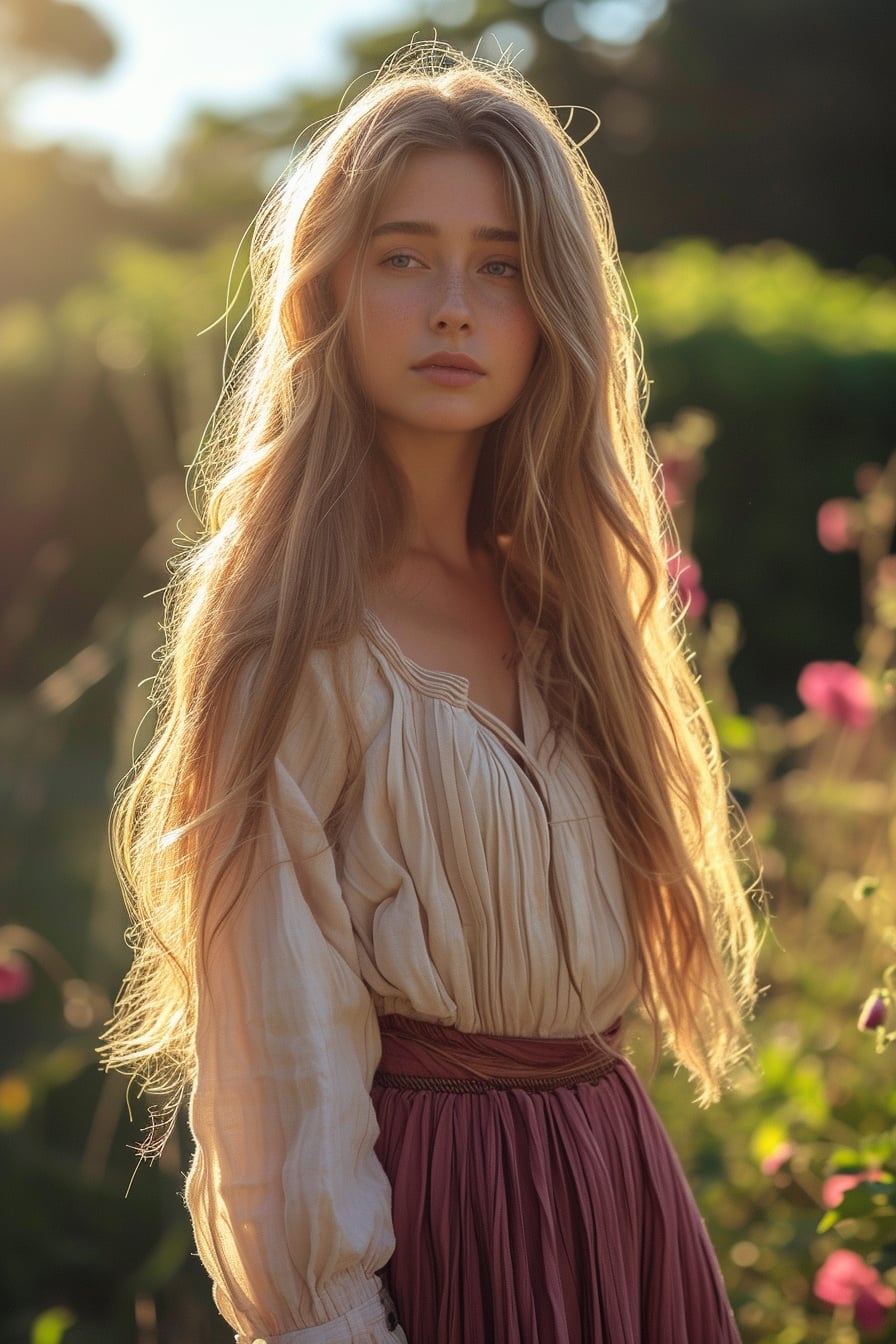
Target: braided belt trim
<point x="573" y="1077"/>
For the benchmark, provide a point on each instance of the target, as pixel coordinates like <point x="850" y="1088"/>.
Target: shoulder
<point x="339" y="703"/>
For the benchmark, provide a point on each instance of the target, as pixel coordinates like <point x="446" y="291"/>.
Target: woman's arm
<point x="290" y="1206"/>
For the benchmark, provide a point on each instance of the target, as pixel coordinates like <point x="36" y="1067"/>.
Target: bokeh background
<point x="748" y="150"/>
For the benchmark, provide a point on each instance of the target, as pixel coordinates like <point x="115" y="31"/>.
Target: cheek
<point x="371" y="323"/>
<point x="371" y="338"/>
<point x="518" y="328"/>
<point x="534" y="338"/>
<point x="526" y="340"/>
<point x="376" y="323"/>
<point x="353" y="332"/>
<point x="392" y="311"/>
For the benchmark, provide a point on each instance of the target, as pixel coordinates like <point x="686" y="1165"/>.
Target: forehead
<point x="446" y="186"/>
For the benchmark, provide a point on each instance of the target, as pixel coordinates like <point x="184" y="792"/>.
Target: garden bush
<point x="786" y="495"/>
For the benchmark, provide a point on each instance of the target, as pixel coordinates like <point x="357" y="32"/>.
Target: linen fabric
<point x="465" y="878"/>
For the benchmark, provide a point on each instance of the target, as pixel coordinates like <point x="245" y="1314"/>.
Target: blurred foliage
<point x="796" y="1163"/>
<point x="749" y="121"/>
<point x="819" y="1110"/>
<point x="746" y="121"/>
<point x="797" y="365"/>
<point x="40" y="36"/>
<point x="717" y="324"/>
<point x="110" y="389"/>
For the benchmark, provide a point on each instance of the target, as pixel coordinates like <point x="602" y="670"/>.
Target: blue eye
<point x="501" y="270"/>
<point x="401" y="261"/>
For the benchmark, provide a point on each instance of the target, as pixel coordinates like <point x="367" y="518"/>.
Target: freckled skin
<point x="447" y="284"/>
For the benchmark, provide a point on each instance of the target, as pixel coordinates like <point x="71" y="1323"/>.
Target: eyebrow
<point x="422" y="228"/>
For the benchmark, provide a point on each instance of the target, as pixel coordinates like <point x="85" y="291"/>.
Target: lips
<point x="446" y="359"/>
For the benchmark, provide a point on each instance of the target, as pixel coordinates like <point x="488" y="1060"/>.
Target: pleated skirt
<point x="536" y="1197"/>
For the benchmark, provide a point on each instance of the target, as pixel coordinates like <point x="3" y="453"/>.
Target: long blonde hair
<point x="302" y="512"/>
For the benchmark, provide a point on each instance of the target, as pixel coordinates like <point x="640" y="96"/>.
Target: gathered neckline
<point x="452" y="686"/>
<point x="447" y="685"/>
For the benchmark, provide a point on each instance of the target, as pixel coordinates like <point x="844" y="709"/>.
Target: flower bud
<point x="838" y="525"/>
<point x="15" y="976"/>
<point x="874" y="1012"/>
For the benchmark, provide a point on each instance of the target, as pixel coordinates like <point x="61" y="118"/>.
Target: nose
<point x="451" y="308"/>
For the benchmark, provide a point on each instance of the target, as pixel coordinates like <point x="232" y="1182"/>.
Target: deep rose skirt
<point x="536" y="1197"/>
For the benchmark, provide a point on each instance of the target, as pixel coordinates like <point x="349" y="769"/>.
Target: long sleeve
<point x="471" y="883"/>
<point x="290" y="1206"/>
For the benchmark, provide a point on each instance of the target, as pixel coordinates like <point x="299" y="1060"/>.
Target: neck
<point x="439" y="473"/>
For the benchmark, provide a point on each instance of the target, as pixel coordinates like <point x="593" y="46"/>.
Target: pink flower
<point x="874" y="1012"/>
<point x="776" y="1158"/>
<point x="835" y="1187"/>
<point x="685" y="573"/>
<point x="837" y="691"/>
<point x="845" y="1280"/>
<point x="15" y="977"/>
<point x="836" y="524"/>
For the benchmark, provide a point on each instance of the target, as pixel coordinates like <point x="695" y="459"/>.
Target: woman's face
<point x="441" y="331"/>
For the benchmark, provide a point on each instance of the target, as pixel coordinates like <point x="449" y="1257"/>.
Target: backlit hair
<point x="302" y="513"/>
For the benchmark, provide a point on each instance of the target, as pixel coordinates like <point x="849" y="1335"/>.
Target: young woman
<point x="433" y="796"/>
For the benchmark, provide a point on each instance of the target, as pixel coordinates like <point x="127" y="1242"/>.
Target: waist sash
<point x="424" y="1057"/>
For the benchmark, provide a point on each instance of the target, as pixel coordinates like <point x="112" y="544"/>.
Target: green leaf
<point x="767" y="1136"/>
<point x="736" y="732"/>
<point x="847" y="1160"/>
<point x="867" y="1199"/>
<point x="51" y="1326"/>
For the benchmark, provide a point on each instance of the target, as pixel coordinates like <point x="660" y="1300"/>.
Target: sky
<point x="177" y="55"/>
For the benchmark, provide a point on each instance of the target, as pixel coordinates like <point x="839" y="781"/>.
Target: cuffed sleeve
<point x="470" y="882"/>
<point x="290" y="1206"/>
<point x="373" y="1323"/>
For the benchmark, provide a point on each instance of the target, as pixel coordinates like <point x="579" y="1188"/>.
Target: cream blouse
<point x="472" y="883"/>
